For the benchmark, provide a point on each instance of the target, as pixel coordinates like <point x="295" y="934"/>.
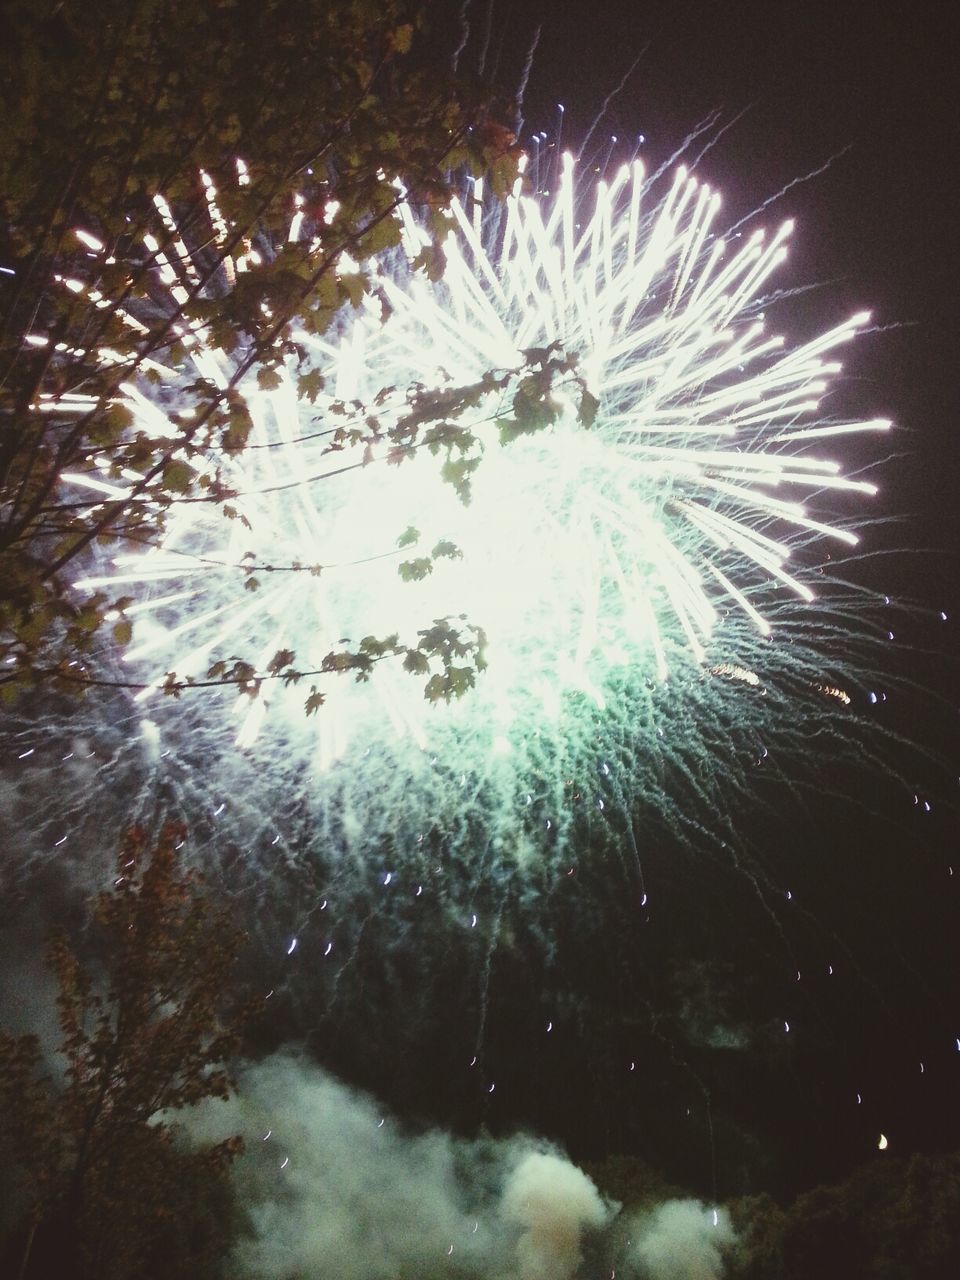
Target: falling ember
<point x="733" y="672"/>
<point x="831" y="691"/>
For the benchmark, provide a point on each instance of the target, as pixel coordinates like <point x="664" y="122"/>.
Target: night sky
<point x="868" y="94"/>
<point x="807" y="81"/>
<point x="669" y="1039"/>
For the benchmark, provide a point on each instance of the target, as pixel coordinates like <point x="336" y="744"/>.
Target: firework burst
<point x="647" y="519"/>
<point x="627" y="458"/>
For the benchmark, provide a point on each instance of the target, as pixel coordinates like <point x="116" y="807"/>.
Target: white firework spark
<point x="665" y="497"/>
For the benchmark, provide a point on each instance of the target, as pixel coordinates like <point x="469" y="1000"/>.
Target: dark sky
<point x="876" y="86"/>
<point x="877" y="83"/>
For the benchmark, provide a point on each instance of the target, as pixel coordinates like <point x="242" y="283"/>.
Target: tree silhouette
<point x="109" y="1187"/>
<point x="120" y="117"/>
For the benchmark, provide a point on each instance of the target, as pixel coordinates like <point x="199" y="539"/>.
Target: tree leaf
<point x="587" y="413"/>
<point x="310" y="384"/>
<point x="268" y="379"/>
<point x="122" y="631"/>
<point x="415" y="570"/>
<point x="178" y="476"/>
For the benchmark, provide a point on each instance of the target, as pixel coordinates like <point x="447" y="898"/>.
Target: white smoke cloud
<point x="554" y="1202"/>
<point x="680" y="1240"/>
<point x="333" y="1186"/>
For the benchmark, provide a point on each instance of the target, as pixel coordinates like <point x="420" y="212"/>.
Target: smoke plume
<point x="333" y="1186"/>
